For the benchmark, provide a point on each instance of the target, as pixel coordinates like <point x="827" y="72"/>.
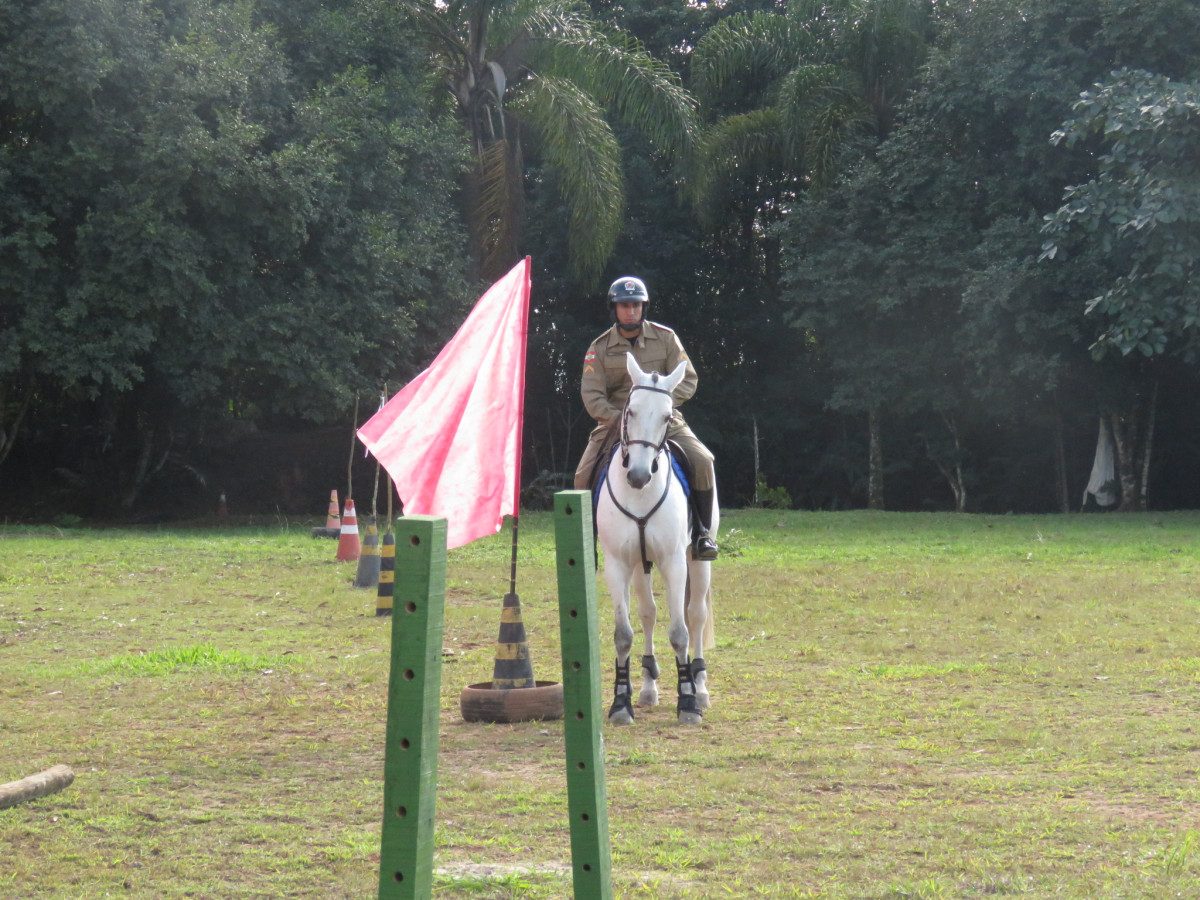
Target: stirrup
<point x="705" y="548"/>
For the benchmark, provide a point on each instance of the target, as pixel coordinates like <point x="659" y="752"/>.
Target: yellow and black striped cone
<point x="513" y="668"/>
<point x="368" y="560"/>
<point x="387" y="575"/>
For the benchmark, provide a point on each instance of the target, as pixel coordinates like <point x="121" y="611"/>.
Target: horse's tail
<point x="710" y="632"/>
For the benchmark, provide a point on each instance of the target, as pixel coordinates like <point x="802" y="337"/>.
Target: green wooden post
<point x="414" y="686"/>
<point x="587" y="800"/>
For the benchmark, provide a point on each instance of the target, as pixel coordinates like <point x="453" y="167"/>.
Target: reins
<point x="658" y="450"/>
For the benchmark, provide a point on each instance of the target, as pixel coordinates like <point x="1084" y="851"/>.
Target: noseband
<point x="658" y="449"/>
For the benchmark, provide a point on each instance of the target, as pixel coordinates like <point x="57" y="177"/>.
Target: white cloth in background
<point x="1103" y="483"/>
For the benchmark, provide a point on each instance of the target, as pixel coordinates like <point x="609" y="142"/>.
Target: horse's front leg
<point x="648" y="613"/>
<point x="699" y="582"/>
<point x="675" y="575"/>
<point x="616" y="573"/>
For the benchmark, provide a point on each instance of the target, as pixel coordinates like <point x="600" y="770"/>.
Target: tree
<point x="1141" y="212"/>
<point x="1142" y="208"/>
<point x="544" y="72"/>
<point x="830" y="76"/>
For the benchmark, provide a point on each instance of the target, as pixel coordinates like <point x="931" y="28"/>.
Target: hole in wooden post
<point x="576" y="665"/>
<point x="581" y="765"/>
<point x="579" y="713"/>
<point x="567" y="510"/>
<point x="416" y="541"/>
<point x="402" y="811"/>
<point x="574" y="614"/>
<point x="587" y="867"/>
<point x="404" y="744"/>
<point x="585" y="817"/>
<point x="409" y="675"/>
<point x="410" y="607"/>
<point x="399" y="876"/>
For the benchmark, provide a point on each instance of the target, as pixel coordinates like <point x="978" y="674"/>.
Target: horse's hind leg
<point x="699" y="583"/>
<point x="617" y="576"/>
<point x="648" y="613"/>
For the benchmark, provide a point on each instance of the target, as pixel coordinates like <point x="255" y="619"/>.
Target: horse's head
<point x="645" y="419"/>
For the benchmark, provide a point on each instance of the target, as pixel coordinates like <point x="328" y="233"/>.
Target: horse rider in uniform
<point x="606" y="387"/>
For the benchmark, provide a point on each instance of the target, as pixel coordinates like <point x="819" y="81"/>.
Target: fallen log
<point x="51" y="781"/>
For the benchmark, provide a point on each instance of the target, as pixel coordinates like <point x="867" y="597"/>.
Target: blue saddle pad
<point x="679" y="474"/>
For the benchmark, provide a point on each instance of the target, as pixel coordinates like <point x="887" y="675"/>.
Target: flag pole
<point x="512" y="576"/>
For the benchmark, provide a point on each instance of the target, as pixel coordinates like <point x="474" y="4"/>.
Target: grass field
<point x="904" y="705"/>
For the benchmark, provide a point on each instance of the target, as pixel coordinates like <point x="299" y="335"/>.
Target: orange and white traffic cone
<point x="348" y="544"/>
<point x="333" y="522"/>
<point x="332" y="519"/>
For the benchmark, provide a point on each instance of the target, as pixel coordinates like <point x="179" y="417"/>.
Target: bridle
<point x="658" y="449"/>
<point x="626" y="440"/>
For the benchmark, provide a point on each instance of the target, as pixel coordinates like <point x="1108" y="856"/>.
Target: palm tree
<point x="543" y="72"/>
<point x="816" y="76"/>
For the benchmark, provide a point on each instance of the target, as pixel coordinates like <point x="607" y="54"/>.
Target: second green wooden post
<point x="587" y="799"/>
<point x="414" y="686"/>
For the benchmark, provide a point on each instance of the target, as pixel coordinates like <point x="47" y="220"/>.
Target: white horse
<point x="642" y="518"/>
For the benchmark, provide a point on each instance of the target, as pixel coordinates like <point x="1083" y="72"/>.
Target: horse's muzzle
<point x="638" y="477"/>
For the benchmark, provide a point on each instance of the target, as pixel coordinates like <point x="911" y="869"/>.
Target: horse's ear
<point x="635" y="371"/>
<point x="671" y="381"/>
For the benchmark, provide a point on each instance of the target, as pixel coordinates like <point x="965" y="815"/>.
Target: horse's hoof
<point x="702" y="700"/>
<point x="648" y="698"/>
<point x="620" y="717"/>
<point x="690" y="718"/>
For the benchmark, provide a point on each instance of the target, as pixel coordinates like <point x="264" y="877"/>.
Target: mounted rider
<point x="606" y="386"/>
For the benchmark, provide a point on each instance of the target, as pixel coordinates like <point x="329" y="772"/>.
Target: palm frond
<point x="748" y="144"/>
<point x="758" y="47"/>
<point x="819" y="105"/>
<point x="831" y="122"/>
<point x="438" y="29"/>
<point x="579" y="147"/>
<point x="496" y="206"/>
<point x="618" y="72"/>
<point x="890" y="47"/>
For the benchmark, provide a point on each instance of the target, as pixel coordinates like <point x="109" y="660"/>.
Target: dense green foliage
<point x="899" y="249"/>
<point x="209" y="215"/>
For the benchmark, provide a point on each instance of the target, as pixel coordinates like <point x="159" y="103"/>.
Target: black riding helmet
<point x="627" y="289"/>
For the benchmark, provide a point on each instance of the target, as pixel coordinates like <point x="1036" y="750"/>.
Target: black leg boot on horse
<point x="621" y="711"/>
<point x="705" y="546"/>
<point x="688" y="707"/>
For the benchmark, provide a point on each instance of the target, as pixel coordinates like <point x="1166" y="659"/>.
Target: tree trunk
<point x="1147" y="446"/>
<point x="51" y="781"/>
<point x="1060" y="460"/>
<point x="955" y="473"/>
<point x="9" y="430"/>
<point x="754" y="420"/>
<point x="1124" y="431"/>
<point x="875" y="460"/>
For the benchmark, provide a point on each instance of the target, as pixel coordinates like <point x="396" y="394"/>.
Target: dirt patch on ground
<point x="1159" y="810"/>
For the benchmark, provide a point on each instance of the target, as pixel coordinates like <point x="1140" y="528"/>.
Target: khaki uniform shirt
<point x="606" y="381"/>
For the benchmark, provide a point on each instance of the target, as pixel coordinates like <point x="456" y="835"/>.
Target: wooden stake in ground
<point x="51" y="781"/>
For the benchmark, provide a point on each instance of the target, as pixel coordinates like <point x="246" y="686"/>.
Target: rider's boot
<point x="705" y="547"/>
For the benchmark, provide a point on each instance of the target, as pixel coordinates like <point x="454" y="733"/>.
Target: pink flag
<point x="451" y="439"/>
